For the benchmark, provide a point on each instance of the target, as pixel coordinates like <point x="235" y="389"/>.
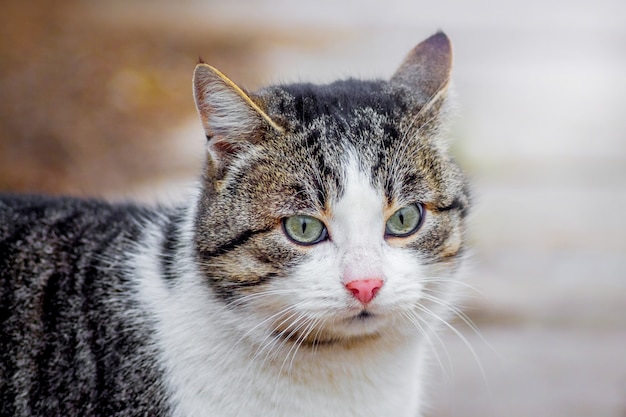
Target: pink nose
<point x="364" y="290"/>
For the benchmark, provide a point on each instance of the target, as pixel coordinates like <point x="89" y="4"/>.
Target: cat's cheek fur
<point x="406" y="278"/>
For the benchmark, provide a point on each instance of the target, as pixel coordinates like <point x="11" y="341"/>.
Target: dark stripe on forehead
<point x="321" y="168"/>
<point x="239" y="240"/>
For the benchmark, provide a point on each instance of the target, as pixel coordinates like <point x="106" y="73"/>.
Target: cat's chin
<point x="353" y="329"/>
<point x="321" y="340"/>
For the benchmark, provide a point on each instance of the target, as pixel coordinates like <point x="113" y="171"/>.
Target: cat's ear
<point x="230" y="116"/>
<point x="426" y="69"/>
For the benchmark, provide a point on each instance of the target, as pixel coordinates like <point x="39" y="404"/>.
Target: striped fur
<point x="73" y="340"/>
<point x="209" y="308"/>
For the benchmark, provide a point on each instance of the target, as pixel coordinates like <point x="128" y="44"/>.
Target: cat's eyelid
<point x="393" y="207"/>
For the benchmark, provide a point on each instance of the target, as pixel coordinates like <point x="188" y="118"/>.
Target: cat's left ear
<point x="426" y="69"/>
<point x="230" y="116"/>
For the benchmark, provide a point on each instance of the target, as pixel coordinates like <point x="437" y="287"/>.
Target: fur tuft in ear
<point x="426" y="69"/>
<point x="231" y="119"/>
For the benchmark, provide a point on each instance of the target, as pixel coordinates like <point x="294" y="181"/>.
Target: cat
<point x="304" y="277"/>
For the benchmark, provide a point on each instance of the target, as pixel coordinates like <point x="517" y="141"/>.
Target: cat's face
<point x="331" y="214"/>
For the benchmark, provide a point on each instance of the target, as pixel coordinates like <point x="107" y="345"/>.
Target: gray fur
<point x="72" y="341"/>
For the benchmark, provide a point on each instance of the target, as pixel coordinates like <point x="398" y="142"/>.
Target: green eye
<point x="305" y="230"/>
<point x="405" y="221"/>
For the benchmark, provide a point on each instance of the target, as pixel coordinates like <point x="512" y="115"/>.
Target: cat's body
<point x="67" y="307"/>
<point x="305" y="277"/>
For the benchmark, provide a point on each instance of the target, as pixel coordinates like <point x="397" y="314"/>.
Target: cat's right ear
<point x="231" y="118"/>
<point x="426" y="70"/>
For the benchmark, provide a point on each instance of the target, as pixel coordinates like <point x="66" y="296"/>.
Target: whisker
<point x="268" y="319"/>
<point x="460" y="314"/>
<point x="305" y="334"/>
<point x="316" y="337"/>
<point x="295" y="346"/>
<point x="465" y="341"/>
<point x="464" y="284"/>
<point x="267" y="348"/>
<point x="415" y="320"/>
<point x="250" y="297"/>
<point x="277" y="339"/>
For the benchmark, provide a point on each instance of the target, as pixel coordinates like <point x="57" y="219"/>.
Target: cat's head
<point x="331" y="213"/>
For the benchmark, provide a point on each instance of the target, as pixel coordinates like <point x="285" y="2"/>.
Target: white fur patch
<point x="358" y="226"/>
<point x="226" y="362"/>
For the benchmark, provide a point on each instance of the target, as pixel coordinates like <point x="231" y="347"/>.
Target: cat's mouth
<point x="319" y="341"/>
<point x="320" y="337"/>
<point x="363" y="315"/>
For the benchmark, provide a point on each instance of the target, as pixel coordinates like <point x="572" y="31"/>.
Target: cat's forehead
<point x="350" y="123"/>
<point x="303" y="105"/>
<point x="330" y="124"/>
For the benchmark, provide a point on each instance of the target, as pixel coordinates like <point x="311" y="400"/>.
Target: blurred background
<point x="96" y="100"/>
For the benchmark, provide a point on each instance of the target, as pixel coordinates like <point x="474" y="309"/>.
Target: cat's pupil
<point x="304" y="223"/>
<point x="401" y="216"/>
